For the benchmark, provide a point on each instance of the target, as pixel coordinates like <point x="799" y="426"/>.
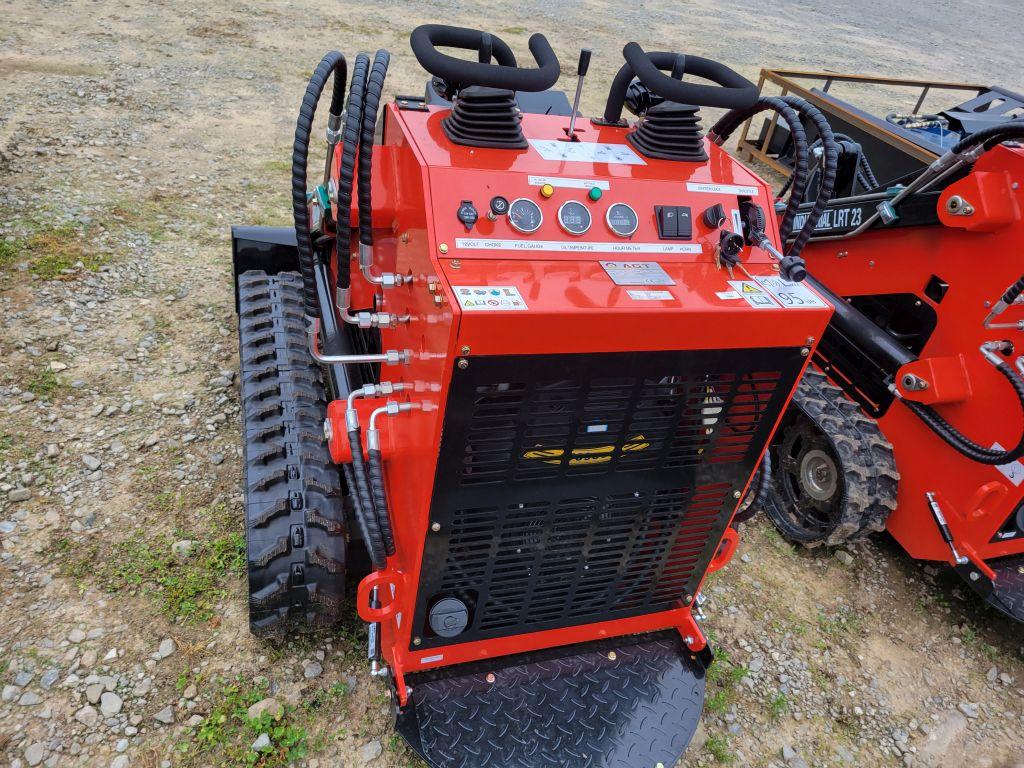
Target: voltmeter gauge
<point x="525" y="216"/>
<point x="574" y="217"/>
<point x="622" y="220"/>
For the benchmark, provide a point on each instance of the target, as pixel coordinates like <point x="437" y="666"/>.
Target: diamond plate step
<point x="621" y="703"/>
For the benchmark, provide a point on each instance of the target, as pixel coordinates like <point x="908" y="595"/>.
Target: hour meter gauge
<point x="622" y="220"/>
<point x="524" y="215"/>
<point x="574" y="217"/>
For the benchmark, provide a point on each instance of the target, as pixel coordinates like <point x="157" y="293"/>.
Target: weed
<point x="278" y="166"/>
<point x="514" y="30"/>
<point x="43" y="383"/>
<point x="225" y="736"/>
<point x="718" y="746"/>
<point x="185" y="588"/>
<point x="778" y="705"/>
<point x="722" y="678"/>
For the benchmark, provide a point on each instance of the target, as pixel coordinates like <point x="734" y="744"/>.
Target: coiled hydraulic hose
<point x="371" y="102"/>
<point x="333" y="63"/>
<point x="828" y="173"/>
<point x="734" y="118"/>
<point x="965" y="445"/>
<point x="346" y="176"/>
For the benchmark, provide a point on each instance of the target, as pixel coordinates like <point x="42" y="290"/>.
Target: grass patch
<point x="278" y="166"/>
<point x="718" y="748"/>
<point x="187" y="589"/>
<point x="226" y="735"/>
<point x="778" y="705"/>
<point x="50" y="253"/>
<point x="43" y="383"/>
<point x="723" y="678"/>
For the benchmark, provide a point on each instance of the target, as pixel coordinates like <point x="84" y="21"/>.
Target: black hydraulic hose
<point x="995" y="134"/>
<point x="371" y="102"/>
<point x="334" y="64"/>
<point x="371" y="536"/>
<point x="346" y="176"/>
<point x="1013" y="292"/>
<point x="798" y="181"/>
<point x="361" y="490"/>
<point x="965" y="445"/>
<point x="828" y="176"/>
<point x="380" y="498"/>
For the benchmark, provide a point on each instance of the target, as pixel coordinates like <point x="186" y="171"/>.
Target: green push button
<point x="594" y="193"/>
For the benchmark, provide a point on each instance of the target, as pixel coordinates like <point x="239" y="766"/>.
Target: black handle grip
<point x="584" y="65"/>
<point x="732" y="90"/>
<point x="460" y="73"/>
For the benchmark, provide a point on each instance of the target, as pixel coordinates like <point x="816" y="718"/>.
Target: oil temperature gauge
<point x="574" y="217"/>
<point x="525" y="216"/>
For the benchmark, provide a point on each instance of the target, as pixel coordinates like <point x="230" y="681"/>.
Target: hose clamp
<point x="335" y="128"/>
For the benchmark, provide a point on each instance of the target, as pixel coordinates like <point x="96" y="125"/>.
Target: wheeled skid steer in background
<point x="911" y="418"/>
<point x="514" y="369"/>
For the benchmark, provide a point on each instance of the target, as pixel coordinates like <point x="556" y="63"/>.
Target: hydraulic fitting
<point x="365" y="318"/>
<point x="389" y="357"/>
<point x="385" y="279"/>
<point x="391" y="408"/>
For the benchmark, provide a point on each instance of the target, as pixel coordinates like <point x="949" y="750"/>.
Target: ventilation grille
<point x="578" y="559"/>
<point x="579" y="488"/>
<point x="522" y="432"/>
<point x="670" y="131"/>
<point x="485" y="117"/>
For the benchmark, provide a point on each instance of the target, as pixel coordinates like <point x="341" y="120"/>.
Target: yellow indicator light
<point x="547" y="191"/>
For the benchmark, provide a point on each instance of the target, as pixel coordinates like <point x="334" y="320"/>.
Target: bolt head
<point x="612" y="656"/>
<point x="417" y="640"/>
<point x="464" y="350"/>
<point x="736" y="494"/>
<point x="805" y="352"/>
<point x="456" y="264"/>
<point x="463" y="364"/>
<point x="435" y="527"/>
<point x="443" y="247"/>
<point x="688" y="640"/>
<point x="490" y="677"/>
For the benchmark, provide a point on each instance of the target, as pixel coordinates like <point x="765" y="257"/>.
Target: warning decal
<point x="489" y="298"/>
<point x="791" y="295"/>
<point x="754" y="294"/>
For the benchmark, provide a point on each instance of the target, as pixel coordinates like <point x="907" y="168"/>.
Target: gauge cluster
<point x="575" y="217"/>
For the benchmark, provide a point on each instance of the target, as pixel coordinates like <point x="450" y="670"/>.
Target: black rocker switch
<point x="467" y="214"/>
<point x="673" y="222"/>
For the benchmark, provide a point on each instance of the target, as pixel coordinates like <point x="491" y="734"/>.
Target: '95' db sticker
<point x="489" y="298"/>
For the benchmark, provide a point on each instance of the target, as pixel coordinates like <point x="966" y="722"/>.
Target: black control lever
<point x="581" y="72"/>
<point x="792" y="268"/>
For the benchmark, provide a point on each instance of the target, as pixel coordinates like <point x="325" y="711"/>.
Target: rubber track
<point x="293" y="498"/>
<point x="866" y="458"/>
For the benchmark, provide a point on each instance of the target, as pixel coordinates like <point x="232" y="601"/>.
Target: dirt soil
<point x="132" y="135"/>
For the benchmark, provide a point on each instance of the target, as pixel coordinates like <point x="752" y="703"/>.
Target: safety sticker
<point x="586" y="152"/>
<point x="489" y="298"/>
<point x="728" y="295"/>
<point x="637" y="273"/>
<point x="722" y="189"/>
<point x="754" y="294"/>
<point x="790" y="295"/>
<point x="1014" y="471"/>
<point x="650" y="295"/>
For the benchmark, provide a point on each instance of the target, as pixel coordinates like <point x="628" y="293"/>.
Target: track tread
<point x="295" y="520"/>
<point x="866" y="458"/>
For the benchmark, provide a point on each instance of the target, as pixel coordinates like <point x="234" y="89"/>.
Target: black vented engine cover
<point x="485" y="117"/>
<point x="572" y="489"/>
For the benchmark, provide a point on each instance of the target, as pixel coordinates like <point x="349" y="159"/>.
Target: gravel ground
<point x="131" y="136"/>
